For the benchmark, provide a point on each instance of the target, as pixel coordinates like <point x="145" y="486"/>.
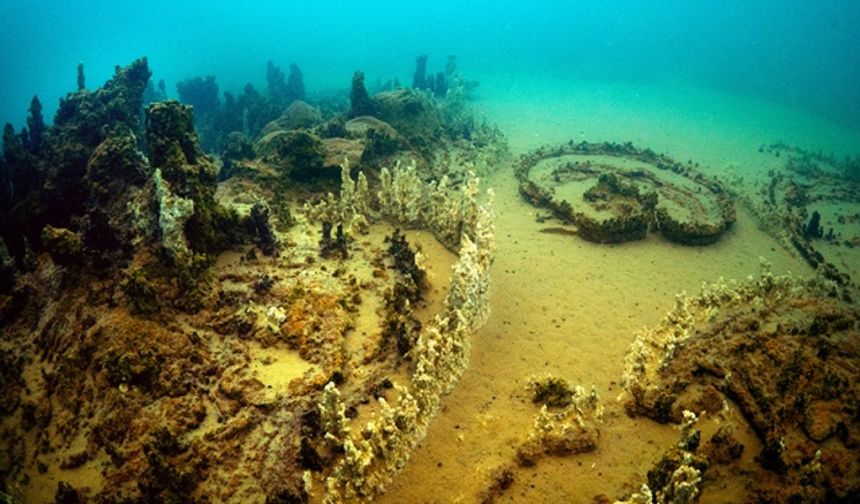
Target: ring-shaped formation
<point x="615" y="193"/>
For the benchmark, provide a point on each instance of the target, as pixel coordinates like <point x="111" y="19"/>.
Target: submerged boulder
<point x="337" y="150"/>
<point x="360" y="127"/>
<point x="298" y="153"/>
<point x="412" y="113"/>
<point x="298" y="115"/>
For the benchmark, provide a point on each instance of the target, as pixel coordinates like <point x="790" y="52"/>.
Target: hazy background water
<point x="799" y="52"/>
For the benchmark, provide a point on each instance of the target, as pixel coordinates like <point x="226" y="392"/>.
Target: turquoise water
<point x="796" y="52"/>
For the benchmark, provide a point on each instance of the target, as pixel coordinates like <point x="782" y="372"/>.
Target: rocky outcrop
<point x="83" y="167"/>
<point x="189" y="175"/>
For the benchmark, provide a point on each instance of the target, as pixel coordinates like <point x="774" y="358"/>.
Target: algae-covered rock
<point x="173" y="212"/>
<point x="359" y="101"/>
<point x="141" y="292"/>
<point x="63" y="244"/>
<point x="191" y="176"/>
<point x="337" y="150"/>
<point x="360" y="127"/>
<point x="552" y="391"/>
<point x="119" y="216"/>
<point x="261" y="229"/>
<point x="115" y="164"/>
<point x="83" y="121"/>
<point x="783" y="352"/>
<point x="241" y="193"/>
<point x="88" y="117"/>
<point x="651" y="192"/>
<point x="58" y="189"/>
<point x="11" y="384"/>
<point x="172" y="142"/>
<point x="236" y="148"/>
<point x="298" y="115"/>
<point x="268" y="145"/>
<point x="299" y="153"/>
<point x="380" y="139"/>
<point x="412" y="113"/>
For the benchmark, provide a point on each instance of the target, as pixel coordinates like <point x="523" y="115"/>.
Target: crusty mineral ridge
<point x="784" y="352"/>
<point x="372" y="456"/>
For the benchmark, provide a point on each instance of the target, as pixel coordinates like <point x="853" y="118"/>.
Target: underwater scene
<point x="430" y="252"/>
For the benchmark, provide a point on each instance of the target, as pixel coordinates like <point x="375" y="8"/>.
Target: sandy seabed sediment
<point x="564" y="306"/>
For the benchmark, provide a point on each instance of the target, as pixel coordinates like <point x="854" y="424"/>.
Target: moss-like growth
<point x="193" y="280"/>
<point x="21" y="195"/>
<point x="631" y="227"/>
<point x="662" y="478"/>
<point x="84" y="120"/>
<point x="405" y="262"/>
<point x="413" y="114"/>
<point x="291" y="495"/>
<point x="212" y="228"/>
<point x="172" y="142"/>
<point x="552" y="391"/>
<point x="172" y="470"/>
<point x="82" y="116"/>
<point x="114" y="165"/>
<point x="130" y="368"/>
<point x="694" y="211"/>
<point x="58" y="175"/>
<point x="141" y="293"/>
<point x="281" y="210"/>
<point x="302" y="154"/>
<point x="64" y="245"/>
<point x="400" y="326"/>
<point x="380" y="143"/>
<point x="11" y="382"/>
<point x="608" y="185"/>
<point x="66" y="494"/>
